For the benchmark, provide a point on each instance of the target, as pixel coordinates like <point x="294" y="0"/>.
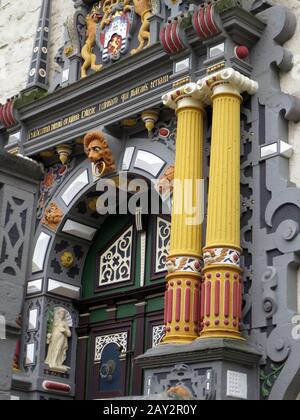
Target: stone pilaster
<point x="19" y="185"/>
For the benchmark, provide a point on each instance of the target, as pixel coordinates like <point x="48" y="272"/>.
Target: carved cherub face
<point x="53" y="213"/>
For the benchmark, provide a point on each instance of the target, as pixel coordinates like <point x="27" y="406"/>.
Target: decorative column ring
<point x="222" y="289"/>
<point x="182" y="298"/>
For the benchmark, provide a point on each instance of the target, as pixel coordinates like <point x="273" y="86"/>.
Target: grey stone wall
<point x="18" y="24"/>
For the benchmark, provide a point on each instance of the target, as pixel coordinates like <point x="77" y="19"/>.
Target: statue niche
<point x="99" y="153"/>
<point x="58" y="334"/>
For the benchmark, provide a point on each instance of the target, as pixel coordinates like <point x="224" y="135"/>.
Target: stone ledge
<point x="20" y="382"/>
<point x="4" y="396"/>
<point x="12" y="329"/>
<point x="200" y="351"/>
<point x="19" y="167"/>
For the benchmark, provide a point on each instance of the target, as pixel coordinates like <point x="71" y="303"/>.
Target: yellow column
<point x="182" y="299"/>
<point x="221" y="309"/>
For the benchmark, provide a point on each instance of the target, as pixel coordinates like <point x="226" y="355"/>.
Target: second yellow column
<point x="221" y="306"/>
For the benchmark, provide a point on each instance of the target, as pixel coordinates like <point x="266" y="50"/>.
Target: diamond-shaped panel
<point x="14" y="235"/>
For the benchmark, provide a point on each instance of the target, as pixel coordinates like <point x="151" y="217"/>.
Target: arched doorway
<point x="122" y="304"/>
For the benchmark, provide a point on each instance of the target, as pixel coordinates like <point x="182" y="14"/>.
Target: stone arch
<point x="79" y="223"/>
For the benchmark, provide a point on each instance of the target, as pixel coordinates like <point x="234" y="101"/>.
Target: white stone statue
<point x="58" y="341"/>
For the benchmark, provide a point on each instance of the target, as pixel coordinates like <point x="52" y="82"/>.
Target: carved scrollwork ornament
<point x="278" y="347"/>
<point x="270" y="284"/>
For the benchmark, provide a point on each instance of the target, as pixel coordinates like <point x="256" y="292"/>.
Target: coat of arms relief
<point x="111" y="26"/>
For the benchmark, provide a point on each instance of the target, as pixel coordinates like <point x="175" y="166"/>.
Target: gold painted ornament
<point x="67" y="259"/>
<point x="143" y="8"/>
<point x="92" y="203"/>
<point x="150" y="118"/>
<point x="68" y="51"/>
<point x="47" y="153"/>
<point x="64" y="152"/>
<point x="129" y="122"/>
<point x="52" y="217"/>
<point x="87" y="51"/>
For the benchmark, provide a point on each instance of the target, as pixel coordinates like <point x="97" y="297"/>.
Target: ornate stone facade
<point x="160" y="91"/>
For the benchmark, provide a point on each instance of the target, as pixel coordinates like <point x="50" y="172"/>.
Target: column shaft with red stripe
<point x="182" y="298"/>
<point x="221" y="310"/>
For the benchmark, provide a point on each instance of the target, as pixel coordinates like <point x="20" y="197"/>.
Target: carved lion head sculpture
<point x="99" y="153"/>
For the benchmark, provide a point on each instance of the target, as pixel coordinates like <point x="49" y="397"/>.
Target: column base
<point x="177" y="340"/>
<point x="207" y="369"/>
<point x="182" y="304"/>
<point x="222" y="296"/>
<point x="207" y="335"/>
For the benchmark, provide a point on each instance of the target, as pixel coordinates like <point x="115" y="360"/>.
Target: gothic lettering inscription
<point x="101" y="107"/>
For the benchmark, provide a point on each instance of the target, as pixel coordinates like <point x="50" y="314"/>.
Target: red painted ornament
<point x="56" y="386"/>
<point x="164" y="132"/>
<point x="62" y="169"/>
<point x="241" y="52"/>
